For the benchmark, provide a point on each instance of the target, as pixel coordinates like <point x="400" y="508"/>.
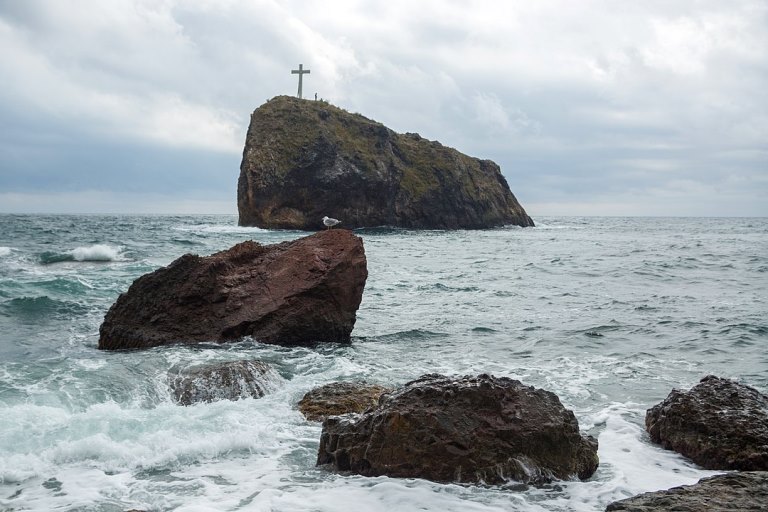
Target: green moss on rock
<point x="305" y="159"/>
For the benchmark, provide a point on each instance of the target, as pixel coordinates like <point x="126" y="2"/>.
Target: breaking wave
<point x="96" y="253"/>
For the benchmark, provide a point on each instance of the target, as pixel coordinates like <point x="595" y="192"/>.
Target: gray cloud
<point x="596" y="107"/>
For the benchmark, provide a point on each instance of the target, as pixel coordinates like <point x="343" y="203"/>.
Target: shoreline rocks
<point x="469" y="429"/>
<point x="293" y="293"/>
<point x="306" y="159"/>
<point x="223" y="381"/>
<point x="719" y="424"/>
<point x="340" y="398"/>
<point x="731" y="492"/>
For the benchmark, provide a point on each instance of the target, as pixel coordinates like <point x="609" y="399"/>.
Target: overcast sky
<point x="590" y="107"/>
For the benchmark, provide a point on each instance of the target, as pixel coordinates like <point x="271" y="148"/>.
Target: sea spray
<point x="93" y="253"/>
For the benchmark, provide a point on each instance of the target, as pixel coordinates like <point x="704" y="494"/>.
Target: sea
<point x="610" y="314"/>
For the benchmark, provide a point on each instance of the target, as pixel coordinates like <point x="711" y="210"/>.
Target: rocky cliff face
<point x="305" y="159"/>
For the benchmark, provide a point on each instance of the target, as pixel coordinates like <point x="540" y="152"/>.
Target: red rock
<point x="293" y="293"/>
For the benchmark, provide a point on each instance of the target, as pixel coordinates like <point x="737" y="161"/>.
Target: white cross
<point x="299" y="72"/>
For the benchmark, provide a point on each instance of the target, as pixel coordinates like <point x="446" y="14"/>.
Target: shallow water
<point x="609" y="313"/>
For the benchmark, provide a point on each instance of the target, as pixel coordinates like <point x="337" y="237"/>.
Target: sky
<point x="595" y="107"/>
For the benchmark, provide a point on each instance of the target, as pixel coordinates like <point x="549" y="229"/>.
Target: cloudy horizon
<point x="590" y="108"/>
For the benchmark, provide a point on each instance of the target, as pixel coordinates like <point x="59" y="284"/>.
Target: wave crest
<point x="96" y="252"/>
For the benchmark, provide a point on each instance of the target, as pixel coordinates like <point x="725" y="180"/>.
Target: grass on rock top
<point x="292" y="127"/>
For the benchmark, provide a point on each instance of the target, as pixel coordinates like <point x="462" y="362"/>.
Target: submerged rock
<point x="470" y="429"/>
<point x="719" y="424"/>
<point x="223" y="381"/>
<point x="339" y="398"/>
<point x="292" y="293"/>
<point x="303" y="160"/>
<point x="722" y="493"/>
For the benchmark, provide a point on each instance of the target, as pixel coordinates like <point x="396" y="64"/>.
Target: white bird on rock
<point x="329" y="222"/>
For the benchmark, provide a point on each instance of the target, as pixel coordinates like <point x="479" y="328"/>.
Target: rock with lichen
<point x="339" y="398"/>
<point x="306" y="159"/>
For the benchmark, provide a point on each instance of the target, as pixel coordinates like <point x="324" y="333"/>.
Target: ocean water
<point x="609" y="313"/>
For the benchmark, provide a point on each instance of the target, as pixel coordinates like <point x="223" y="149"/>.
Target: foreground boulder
<point x="292" y="293"/>
<point x="307" y="159"/>
<point x="719" y="424"/>
<point x="340" y="398"/>
<point x="470" y="429"/>
<point x="223" y="381"/>
<point x="722" y="493"/>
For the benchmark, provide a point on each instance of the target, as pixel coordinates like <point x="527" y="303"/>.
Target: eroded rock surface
<point x="467" y="429"/>
<point x="733" y="492"/>
<point x="306" y="159"/>
<point x="719" y="424"/>
<point x="293" y="293"/>
<point x="223" y="381"/>
<point x="340" y="398"/>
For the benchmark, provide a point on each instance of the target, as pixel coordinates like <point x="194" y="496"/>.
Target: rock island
<point x="306" y="159"/>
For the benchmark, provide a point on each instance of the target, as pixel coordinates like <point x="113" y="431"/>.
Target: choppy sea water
<point x="609" y="313"/>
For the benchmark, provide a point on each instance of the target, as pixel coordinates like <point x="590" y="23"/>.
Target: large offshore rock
<point x="292" y="293"/>
<point x="719" y="424"/>
<point x="469" y="429"/>
<point x="223" y="381"/>
<point x="733" y="492"/>
<point x="340" y="398"/>
<point x="307" y="159"/>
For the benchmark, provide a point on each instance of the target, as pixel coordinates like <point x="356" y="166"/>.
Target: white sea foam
<point x="97" y="252"/>
<point x="629" y="463"/>
<point x="5" y="251"/>
<point x="88" y="430"/>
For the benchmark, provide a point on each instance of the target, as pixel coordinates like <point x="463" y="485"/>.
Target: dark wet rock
<point x="307" y="159"/>
<point x="340" y="398"/>
<point x="292" y="293"/>
<point x="732" y="492"/>
<point x="465" y="429"/>
<point x="223" y="381"/>
<point x="719" y="424"/>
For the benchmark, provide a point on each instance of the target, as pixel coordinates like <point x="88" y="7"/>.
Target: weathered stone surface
<point x="223" y="381"/>
<point x="292" y="293"/>
<point x="468" y="429"/>
<point x="306" y="159"/>
<point x="719" y="424"/>
<point x="722" y="493"/>
<point x="340" y="398"/>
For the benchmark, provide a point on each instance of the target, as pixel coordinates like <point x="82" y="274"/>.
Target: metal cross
<point x="299" y="72"/>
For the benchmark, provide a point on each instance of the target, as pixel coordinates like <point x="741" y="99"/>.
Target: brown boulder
<point x="719" y="424"/>
<point x="339" y="398"/>
<point x="223" y="381"/>
<point x="292" y="293"/>
<point x="470" y="429"/>
<point x="722" y="493"/>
